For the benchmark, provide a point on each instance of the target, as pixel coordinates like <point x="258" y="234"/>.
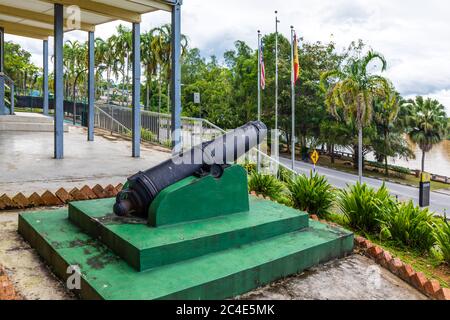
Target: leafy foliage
<point x="266" y="185"/>
<point x="312" y="194"/>
<point x="441" y="234"/>
<point x="364" y="207"/>
<point x="410" y="225"/>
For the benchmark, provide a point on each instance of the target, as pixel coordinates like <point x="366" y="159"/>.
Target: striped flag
<point x="263" y="68"/>
<point x="296" y="61"/>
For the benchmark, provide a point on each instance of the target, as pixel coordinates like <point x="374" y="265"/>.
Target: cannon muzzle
<point x="142" y="188"/>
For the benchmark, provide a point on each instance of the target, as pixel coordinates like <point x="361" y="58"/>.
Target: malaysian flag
<point x="263" y="68"/>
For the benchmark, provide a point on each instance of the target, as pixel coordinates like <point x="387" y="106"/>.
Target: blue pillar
<point x="58" y="81"/>
<point x="136" y="125"/>
<point x="3" y="110"/>
<point x="2" y="80"/>
<point x="176" y="77"/>
<point x="12" y="99"/>
<point x="45" y="76"/>
<point x="91" y="87"/>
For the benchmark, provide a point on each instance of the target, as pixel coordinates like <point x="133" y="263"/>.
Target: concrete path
<point x="27" y="164"/>
<point x="440" y="202"/>
<point x="354" y="277"/>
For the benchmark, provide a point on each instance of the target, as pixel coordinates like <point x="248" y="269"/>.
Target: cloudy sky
<point x="412" y="34"/>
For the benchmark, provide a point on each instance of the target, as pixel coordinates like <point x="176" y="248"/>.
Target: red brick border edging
<point x="60" y="197"/>
<point x="430" y="288"/>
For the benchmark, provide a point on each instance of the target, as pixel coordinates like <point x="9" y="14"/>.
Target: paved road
<point x="440" y="203"/>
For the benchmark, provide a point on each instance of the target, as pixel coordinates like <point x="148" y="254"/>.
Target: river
<point x="437" y="161"/>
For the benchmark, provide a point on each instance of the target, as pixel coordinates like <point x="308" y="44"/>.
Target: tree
<point x="352" y="89"/>
<point x="427" y="124"/>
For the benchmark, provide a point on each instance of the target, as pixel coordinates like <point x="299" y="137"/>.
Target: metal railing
<point x="7" y="82"/>
<point x="156" y="128"/>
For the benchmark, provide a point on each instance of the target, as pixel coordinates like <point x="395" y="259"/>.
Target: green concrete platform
<point x="217" y="272"/>
<point x="144" y="247"/>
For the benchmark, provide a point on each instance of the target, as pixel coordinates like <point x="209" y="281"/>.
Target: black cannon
<point x="208" y="158"/>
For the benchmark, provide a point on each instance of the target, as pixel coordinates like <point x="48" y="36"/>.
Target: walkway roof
<point x="34" y="18"/>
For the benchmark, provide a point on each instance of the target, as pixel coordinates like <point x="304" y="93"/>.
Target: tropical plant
<point x="312" y="194"/>
<point x="410" y="226"/>
<point x="441" y="232"/>
<point x="364" y="207"/>
<point x="250" y="167"/>
<point x="284" y="174"/>
<point x="427" y="124"/>
<point x="352" y="89"/>
<point x="266" y="185"/>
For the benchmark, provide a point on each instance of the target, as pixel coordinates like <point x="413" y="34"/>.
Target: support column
<point x="58" y="81"/>
<point x="45" y="76"/>
<point x="136" y="95"/>
<point x="176" y="77"/>
<point x="2" y="79"/>
<point x="12" y="99"/>
<point x="91" y="87"/>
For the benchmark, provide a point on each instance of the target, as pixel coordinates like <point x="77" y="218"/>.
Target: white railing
<point x="156" y="128"/>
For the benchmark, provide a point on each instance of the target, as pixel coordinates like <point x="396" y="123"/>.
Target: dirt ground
<point x="354" y="277"/>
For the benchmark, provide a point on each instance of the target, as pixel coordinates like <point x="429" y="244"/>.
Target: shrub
<point x="313" y="195"/>
<point x="441" y="233"/>
<point x="284" y="174"/>
<point x="365" y="208"/>
<point x="266" y="185"/>
<point x="410" y="226"/>
<point x="250" y="167"/>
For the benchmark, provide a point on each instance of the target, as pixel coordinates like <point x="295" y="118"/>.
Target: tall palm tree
<point x="163" y="51"/>
<point x="427" y="123"/>
<point x="352" y="90"/>
<point x="149" y="61"/>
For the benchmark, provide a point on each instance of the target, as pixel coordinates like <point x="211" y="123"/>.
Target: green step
<point x="144" y="247"/>
<point x="218" y="275"/>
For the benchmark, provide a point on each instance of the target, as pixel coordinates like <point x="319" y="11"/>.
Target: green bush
<point x="312" y="194"/>
<point x="250" y="167"/>
<point x="410" y="226"/>
<point x="266" y="185"/>
<point x="284" y="174"/>
<point x="365" y="208"/>
<point x="441" y="233"/>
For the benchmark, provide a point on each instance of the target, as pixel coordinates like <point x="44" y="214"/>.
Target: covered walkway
<point x="27" y="167"/>
<point x="40" y="19"/>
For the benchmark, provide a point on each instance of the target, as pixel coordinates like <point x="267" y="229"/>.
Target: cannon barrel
<point x="142" y="188"/>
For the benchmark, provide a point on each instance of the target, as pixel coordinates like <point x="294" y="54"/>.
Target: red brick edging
<point x="430" y="288"/>
<point x="60" y="197"/>
<point x="7" y="291"/>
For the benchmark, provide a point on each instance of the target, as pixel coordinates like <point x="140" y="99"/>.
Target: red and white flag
<point x="263" y="68"/>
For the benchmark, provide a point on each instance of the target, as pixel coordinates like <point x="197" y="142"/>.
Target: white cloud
<point x="412" y="34"/>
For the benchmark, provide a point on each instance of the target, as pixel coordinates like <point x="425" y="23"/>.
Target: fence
<point x="156" y="128"/>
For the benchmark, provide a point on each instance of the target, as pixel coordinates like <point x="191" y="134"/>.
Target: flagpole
<point x="276" y="86"/>
<point x="259" y="97"/>
<point x="293" y="98"/>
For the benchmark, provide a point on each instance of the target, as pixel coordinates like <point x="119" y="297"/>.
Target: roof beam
<point x="36" y="16"/>
<point x="160" y="5"/>
<point x="16" y="28"/>
<point x="102" y="9"/>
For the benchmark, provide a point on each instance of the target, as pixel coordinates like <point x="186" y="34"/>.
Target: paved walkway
<point x="354" y="277"/>
<point x="27" y="164"/>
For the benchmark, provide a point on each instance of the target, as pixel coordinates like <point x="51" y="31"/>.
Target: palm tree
<point x="163" y="51"/>
<point x="352" y="90"/>
<point x="149" y="61"/>
<point x="427" y="123"/>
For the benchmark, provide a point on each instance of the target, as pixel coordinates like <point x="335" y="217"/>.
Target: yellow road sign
<point x="315" y="157"/>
